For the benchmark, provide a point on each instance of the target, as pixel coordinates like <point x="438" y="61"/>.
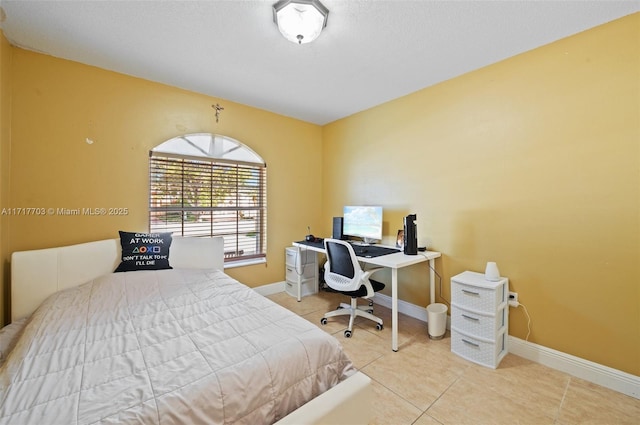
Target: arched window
<point x="210" y="185"/>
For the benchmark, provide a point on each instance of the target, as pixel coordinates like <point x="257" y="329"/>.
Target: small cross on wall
<point x="218" y="109"/>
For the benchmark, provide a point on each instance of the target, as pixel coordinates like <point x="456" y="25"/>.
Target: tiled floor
<point x="425" y="384"/>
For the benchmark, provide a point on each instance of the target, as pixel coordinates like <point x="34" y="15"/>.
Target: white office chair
<point x="344" y="274"/>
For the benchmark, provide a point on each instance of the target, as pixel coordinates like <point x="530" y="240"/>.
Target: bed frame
<point x="39" y="273"/>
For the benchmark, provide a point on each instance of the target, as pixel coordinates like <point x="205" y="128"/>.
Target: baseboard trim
<point x="407" y="308"/>
<point x="614" y="379"/>
<point x="270" y="289"/>
<point x="608" y="377"/>
<point x="404" y="307"/>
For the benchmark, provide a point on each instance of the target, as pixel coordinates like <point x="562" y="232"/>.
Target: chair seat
<point x="362" y="291"/>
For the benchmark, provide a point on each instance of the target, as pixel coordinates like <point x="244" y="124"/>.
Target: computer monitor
<point x="363" y="222"/>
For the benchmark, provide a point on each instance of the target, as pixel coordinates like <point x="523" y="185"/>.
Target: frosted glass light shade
<point x="300" y="21"/>
<point x="491" y="272"/>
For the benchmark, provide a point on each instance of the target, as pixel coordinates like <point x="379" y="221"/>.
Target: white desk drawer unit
<point x="479" y="350"/>
<point x="481" y="325"/>
<point x="479" y="318"/>
<point x="301" y="272"/>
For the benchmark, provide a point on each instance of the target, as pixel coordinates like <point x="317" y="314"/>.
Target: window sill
<point x="242" y="263"/>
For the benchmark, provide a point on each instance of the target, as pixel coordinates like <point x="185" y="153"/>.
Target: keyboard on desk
<point x="372" y="250"/>
<point x="368" y="251"/>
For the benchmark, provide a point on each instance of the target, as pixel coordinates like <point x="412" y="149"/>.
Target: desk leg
<point x="432" y="281"/>
<point x="394" y="309"/>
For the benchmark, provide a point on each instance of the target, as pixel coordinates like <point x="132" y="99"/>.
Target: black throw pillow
<point x="144" y="251"/>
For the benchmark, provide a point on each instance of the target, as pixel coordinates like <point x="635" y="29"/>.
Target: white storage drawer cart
<point x="301" y="272"/>
<point x="479" y="318"/>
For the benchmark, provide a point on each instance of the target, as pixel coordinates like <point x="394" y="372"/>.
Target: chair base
<point x="353" y="310"/>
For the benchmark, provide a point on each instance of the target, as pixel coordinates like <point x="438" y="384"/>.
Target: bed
<point x="186" y="345"/>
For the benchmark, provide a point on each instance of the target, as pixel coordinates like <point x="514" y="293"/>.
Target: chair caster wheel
<point x="370" y="311"/>
<point x="323" y="321"/>
<point x="379" y="327"/>
<point x="339" y="307"/>
<point x="347" y="334"/>
<point x="370" y="303"/>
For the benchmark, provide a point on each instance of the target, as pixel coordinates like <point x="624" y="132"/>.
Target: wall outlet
<point x="513" y="299"/>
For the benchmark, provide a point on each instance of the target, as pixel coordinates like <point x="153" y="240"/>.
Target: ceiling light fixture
<point x="300" y="21"/>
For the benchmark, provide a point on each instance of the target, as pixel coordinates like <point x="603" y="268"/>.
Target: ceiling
<point x="370" y="52"/>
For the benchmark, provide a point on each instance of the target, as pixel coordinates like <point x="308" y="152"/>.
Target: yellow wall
<point x="57" y="104"/>
<point x="5" y="134"/>
<point x="534" y="163"/>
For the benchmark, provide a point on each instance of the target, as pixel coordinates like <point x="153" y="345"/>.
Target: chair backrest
<point x="342" y="270"/>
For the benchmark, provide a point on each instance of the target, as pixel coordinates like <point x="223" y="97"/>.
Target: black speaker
<point x="410" y="235"/>
<point x="337" y="228"/>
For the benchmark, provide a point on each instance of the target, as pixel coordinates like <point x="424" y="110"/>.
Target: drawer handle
<point x="466" y="291"/>
<point x="470" y="343"/>
<point x="289" y="270"/>
<point x="470" y="318"/>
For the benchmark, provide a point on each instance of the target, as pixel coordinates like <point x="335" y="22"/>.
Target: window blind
<point x="210" y="197"/>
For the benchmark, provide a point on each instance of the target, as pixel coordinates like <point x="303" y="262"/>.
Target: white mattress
<point x="165" y="347"/>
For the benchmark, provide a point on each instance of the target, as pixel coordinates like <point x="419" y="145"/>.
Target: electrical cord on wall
<point x="517" y="304"/>
<point x="439" y="282"/>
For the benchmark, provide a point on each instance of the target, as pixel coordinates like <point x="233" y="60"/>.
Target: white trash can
<point x="437" y="320"/>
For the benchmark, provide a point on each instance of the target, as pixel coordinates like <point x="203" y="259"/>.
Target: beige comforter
<point x="165" y="347"/>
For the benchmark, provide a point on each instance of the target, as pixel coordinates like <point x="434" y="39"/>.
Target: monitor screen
<point x="363" y="222"/>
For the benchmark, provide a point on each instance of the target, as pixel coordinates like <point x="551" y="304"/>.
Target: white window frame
<point x="210" y="194"/>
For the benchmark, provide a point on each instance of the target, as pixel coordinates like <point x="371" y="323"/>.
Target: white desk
<point x="395" y="262"/>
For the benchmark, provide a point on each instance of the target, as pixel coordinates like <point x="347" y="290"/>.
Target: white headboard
<point x="39" y="273"/>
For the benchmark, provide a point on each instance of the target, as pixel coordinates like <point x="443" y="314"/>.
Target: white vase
<point x="491" y="272"/>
